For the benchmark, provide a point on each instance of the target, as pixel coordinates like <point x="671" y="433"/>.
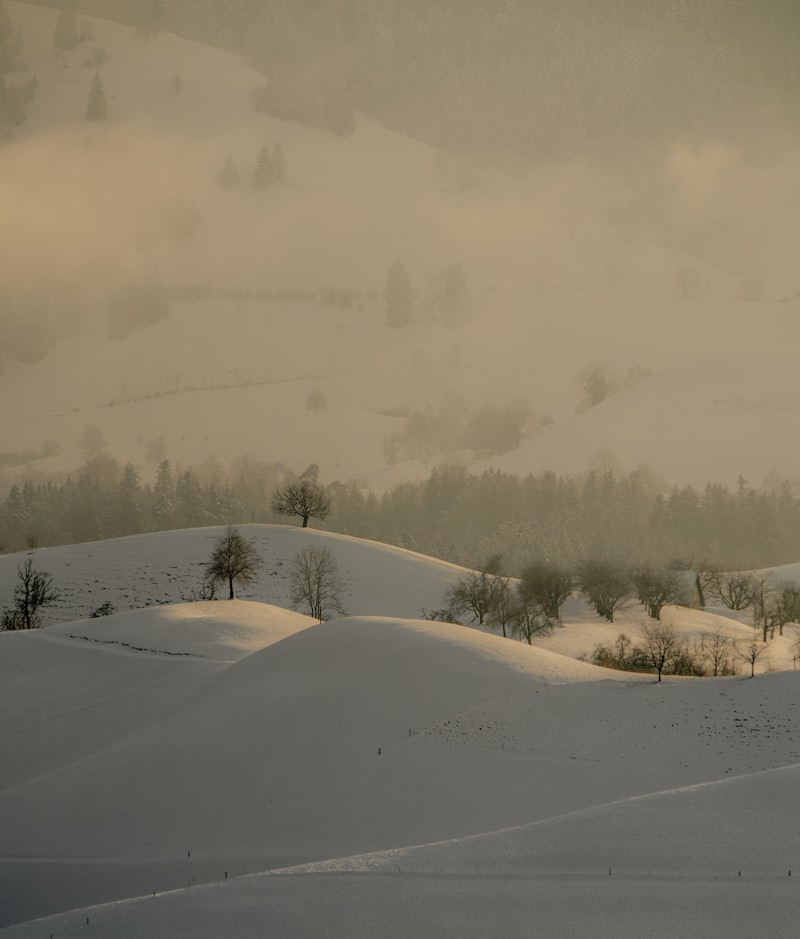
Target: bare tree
<point x="657" y="589"/>
<point x="661" y="645"/>
<point x="763" y="604"/>
<point x="501" y="615"/>
<point x="606" y="585"/>
<point x="529" y="618"/>
<point x="788" y="604"/>
<point x="750" y="651"/>
<point x="548" y="584"/>
<point x="305" y="499"/>
<point x="33" y="591"/>
<point x="716" y="647"/>
<point x="735" y="590"/>
<point x="234" y="560"/>
<point x="476" y="593"/>
<point x="315" y="582"/>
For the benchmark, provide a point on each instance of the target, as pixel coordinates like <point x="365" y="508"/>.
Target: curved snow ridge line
<point x="133" y="648"/>
<point x="376" y="861"/>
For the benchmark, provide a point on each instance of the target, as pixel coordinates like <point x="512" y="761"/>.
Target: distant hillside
<point x="542" y="79"/>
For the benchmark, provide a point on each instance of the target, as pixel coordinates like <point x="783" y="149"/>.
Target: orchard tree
<point x="734" y="590"/>
<point x="605" y="585"/>
<point x="315" y="583"/>
<point x="715" y="648"/>
<point x="661" y="645"/>
<point x="305" y="499"/>
<point x="477" y="592"/>
<point x="657" y="589"/>
<point x="547" y="584"/>
<point x="34" y="591"/>
<point x="750" y="651"/>
<point x="234" y="560"/>
<point x="529" y="618"/>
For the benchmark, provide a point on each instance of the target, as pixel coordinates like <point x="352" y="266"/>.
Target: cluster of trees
<point x="454" y="301"/>
<point x="14" y="94"/>
<point x="453" y="425"/>
<point x="663" y="651"/>
<point x="531" y="606"/>
<point x="453" y="514"/>
<point x="525" y="607"/>
<point x="269" y="170"/>
<point x="107" y="500"/>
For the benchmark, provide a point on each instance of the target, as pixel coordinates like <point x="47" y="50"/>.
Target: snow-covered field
<point x="188" y="768"/>
<point x="404" y="777"/>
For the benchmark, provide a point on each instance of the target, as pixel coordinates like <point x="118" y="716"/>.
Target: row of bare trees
<point x="532" y="603"/>
<point x="772" y="603"/>
<point x="664" y="651"/>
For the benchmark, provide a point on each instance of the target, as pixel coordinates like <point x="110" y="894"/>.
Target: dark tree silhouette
<point x="661" y="645"/>
<point x="234" y="559"/>
<point x="316" y="584"/>
<point x="33" y="591"/>
<point x="305" y="498"/>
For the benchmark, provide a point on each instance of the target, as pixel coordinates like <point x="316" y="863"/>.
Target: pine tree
<point x="163" y="497"/>
<point x="96" y="109"/>
<point x="262" y="175"/>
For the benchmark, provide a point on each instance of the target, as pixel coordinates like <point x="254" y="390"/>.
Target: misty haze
<point x="368" y="367"/>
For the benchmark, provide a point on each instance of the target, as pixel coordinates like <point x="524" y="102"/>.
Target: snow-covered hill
<point x="191" y="743"/>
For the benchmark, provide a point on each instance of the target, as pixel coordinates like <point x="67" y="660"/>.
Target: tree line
<point x="453" y="514"/>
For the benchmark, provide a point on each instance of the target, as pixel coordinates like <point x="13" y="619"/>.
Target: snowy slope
<point x="162" y="747"/>
<point x="715" y="417"/>
<point x="277" y="762"/>
<point x="168" y="567"/>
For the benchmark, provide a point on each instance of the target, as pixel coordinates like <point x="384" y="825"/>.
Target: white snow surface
<point x="235" y="769"/>
<point x="161" y="748"/>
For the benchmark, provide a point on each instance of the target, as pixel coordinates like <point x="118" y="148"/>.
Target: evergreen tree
<point x="65" y="35"/>
<point x="399" y="296"/>
<point x="163" y="509"/>
<point x="96" y="109"/>
<point x="128" y="520"/>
